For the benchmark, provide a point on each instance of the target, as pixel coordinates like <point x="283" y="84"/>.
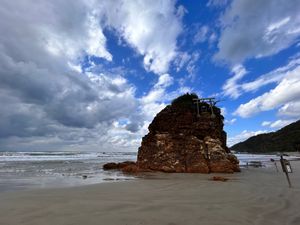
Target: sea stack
<point x="187" y="137"/>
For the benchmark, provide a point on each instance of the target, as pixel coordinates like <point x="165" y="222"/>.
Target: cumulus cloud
<point x="49" y="101"/>
<point x="244" y="135"/>
<point x="290" y="109"/>
<point x="154" y="101"/>
<point x="286" y="92"/>
<point x="224" y="111"/>
<point x="266" y="123"/>
<point x="257" y="29"/>
<point x="143" y="26"/>
<point x="230" y="122"/>
<point x="201" y="35"/>
<point x="274" y="76"/>
<point x="278" y="123"/>
<point x="284" y="97"/>
<point x="235" y="87"/>
<point x="231" y="87"/>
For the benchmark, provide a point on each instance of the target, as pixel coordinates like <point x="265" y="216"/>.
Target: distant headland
<point x="287" y="139"/>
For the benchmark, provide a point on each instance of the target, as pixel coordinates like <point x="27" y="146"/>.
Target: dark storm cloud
<point x="47" y="102"/>
<point x="40" y="95"/>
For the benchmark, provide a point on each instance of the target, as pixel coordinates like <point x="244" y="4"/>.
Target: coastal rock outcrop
<point x="186" y="138"/>
<point x="118" y="166"/>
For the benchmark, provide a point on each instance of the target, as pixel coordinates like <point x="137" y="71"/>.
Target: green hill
<point x="286" y="139"/>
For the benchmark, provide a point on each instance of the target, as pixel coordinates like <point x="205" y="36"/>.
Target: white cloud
<point x="257" y="29"/>
<point x="73" y="40"/>
<point x="212" y="38"/>
<point x="290" y="109"/>
<point x="216" y="3"/>
<point x="47" y="101"/>
<point x="164" y="81"/>
<point x="266" y="123"/>
<point x="147" y="34"/>
<point x="281" y="123"/>
<point x="143" y="26"/>
<point x="274" y="76"/>
<point x="181" y="60"/>
<point x="191" y="66"/>
<point x="151" y="109"/>
<point x="287" y="91"/>
<point x="278" y="123"/>
<point x="157" y="93"/>
<point x="277" y="25"/>
<point x="155" y="99"/>
<point x="201" y="35"/>
<point x="234" y="87"/>
<point x="75" y="30"/>
<point x="96" y="42"/>
<point x="272" y="29"/>
<point x="50" y="101"/>
<point x="187" y="61"/>
<point x="230" y="122"/>
<point x="231" y="87"/>
<point x="243" y="136"/>
<point x="224" y="111"/>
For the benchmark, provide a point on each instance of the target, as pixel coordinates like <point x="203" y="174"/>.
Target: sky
<point x="90" y="75"/>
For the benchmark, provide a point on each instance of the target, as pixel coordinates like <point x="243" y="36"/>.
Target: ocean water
<point x="24" y="170"/>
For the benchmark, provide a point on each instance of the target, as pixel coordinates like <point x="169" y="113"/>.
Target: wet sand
<point x="254" y="196"/>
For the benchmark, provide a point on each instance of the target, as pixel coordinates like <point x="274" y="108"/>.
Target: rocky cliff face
<point x="182" y="140"/>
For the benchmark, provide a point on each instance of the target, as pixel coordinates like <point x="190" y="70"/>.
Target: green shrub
<point x="186" y="99"/>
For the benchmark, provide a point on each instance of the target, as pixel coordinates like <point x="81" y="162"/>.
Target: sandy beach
<point x="254" y="196"/>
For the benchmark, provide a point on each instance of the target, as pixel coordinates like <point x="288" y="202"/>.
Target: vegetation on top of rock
<point x="185" y="99"/>
<point x="286" y="139"/>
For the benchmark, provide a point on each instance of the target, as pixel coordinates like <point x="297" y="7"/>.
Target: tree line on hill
<point x="287" y="139"/>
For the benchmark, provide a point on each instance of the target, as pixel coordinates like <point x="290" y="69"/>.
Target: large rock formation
<point x="182" y="140"/>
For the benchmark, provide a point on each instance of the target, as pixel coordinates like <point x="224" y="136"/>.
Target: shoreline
<point x="291" y="154"/>
<point x="254" y="196"/>
<point x="82" y="170"/>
